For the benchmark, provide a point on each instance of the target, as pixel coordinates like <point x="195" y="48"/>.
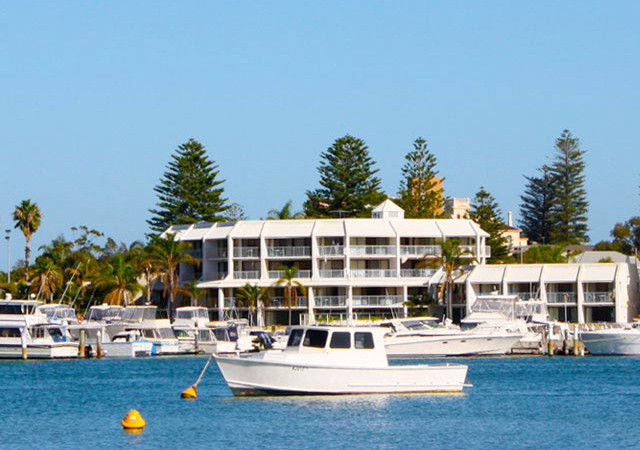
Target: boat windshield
<point x="204" y="336"/>
<point x="221" y="334"/>
<point x="295" y="338"/>
<point x="138" y="314"/>
<point x="315" y="338"/>
<point x="181" y="333"/>
<point x="111" y="313"/>
<point x="166" y="333"/>
<point x="17" y="309"/>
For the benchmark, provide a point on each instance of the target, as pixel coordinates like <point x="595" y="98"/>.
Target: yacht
<point x="110" y="340"/>
<point x="324" y="360"/>
<point x="25" y="332"/>
<point x="59" y="313"/>
<point x="190" y="327"/>
<point x="157" y="331"/>
<point x="613" y="341"/>
<point x="420" y="337"/>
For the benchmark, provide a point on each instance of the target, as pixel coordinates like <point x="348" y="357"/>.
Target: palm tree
<point x="120" y="279"/>
<point x="452" y="259"/>
<point x="193" y="292"/>
<point x="27" y="217"/>
<point x="291" y="287"/>
<point x="255" y="298"/>
<point x="168" y="255"/>
<point x="143" y="258"/>
<point x="285" y="212"/>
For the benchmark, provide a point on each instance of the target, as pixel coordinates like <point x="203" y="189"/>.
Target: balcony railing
<point x="417" y="273"/>
<point x="288" y="252"/>
<point x="331" y="273"/>
<point x="526" y="295"/>
<point x="276" y="274"/>
<point x="599" y="297"/>
<point x="246" y="274"/>
<point x="561" y="297"/>
<point x="370" y="250"/>
<point x="328" y="301"/>
<point x="374" y="273"/>
<point x="420" y="250"/>
<point x="331" y="250"/>
<point x="377" y="300"/>
<point x="246" y="252"/>
<point x="278" y="302"/>
<point x="211" y="276"/>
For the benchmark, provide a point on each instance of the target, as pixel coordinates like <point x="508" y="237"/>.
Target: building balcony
<point x="377" y="300"/>
<point x="417" y="273"/>
<point x="420" y="250"/>
<point x="331" y="301"/>
<point x="372" y="250"/>
<point x="288" y="252"/>
<point x="599" y="297"/>
<point x="213" y="276"/>
<point x="331" y="250"/>
<point x="374" y="273"/>
<point x="216" y="253"/>
<point x="331" y="273"/>
<point x="277" y="274"/>
<point x="278" y="302"/>
<point x="195" y="252"/>
<point x="561" y="297"/>
<point x="526" y="295"/>
<point x="246" y="252"/>
<point x="246" y="274"/>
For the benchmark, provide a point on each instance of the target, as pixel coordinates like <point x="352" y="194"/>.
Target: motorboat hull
<point x="58" y="350"/>
<point x="612" y="342"/>
<point x="252" y="376"/>
<point x="450" y="345"/>
<point x="126" y="349"/>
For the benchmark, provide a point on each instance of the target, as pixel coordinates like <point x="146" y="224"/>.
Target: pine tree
<point x="189" y="190"/>
<point x="486" y="213"/>
<point x="419" y="194"/>
<point x="349" y="185"/>
<point x="569" y="204"/>
<point x="535" y="209"/>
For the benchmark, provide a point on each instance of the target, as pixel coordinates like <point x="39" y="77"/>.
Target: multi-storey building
<point x="350" y="267"/>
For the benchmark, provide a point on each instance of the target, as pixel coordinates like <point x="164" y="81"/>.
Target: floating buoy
<point x="189" y="393"/>
<point x="133" y="421"/>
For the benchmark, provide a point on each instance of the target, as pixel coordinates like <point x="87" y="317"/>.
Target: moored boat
<point x="623" y="341"/>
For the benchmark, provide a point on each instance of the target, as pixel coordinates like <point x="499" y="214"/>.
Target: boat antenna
<point x="70" y="280"/>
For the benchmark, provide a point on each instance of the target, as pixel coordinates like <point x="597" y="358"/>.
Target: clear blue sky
<point x="97" y="95"/>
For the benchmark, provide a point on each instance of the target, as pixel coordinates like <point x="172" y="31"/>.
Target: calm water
<point x="527" y="402"/>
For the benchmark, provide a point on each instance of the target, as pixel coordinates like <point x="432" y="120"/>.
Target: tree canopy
<point x="535" y="209"/>
<point x="486" y="213"/>
<point x="419" y="193"/>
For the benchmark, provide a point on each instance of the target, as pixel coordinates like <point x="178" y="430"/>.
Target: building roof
<point x="597" y="256"/>
<point x="387" y="205"/>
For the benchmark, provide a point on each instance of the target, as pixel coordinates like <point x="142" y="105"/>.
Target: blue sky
<point x="97" y="95"/>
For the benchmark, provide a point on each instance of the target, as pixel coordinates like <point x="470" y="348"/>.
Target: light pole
<point x="8" y="238"/>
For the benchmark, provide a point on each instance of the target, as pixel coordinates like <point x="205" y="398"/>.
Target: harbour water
<point x="516" y="402"/>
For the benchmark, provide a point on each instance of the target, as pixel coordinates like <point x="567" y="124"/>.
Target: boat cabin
<point x="105" y="313"/>
<point x="59" y="313"/>
<point x="194" y="316"/>
<point x="139" y="313"/>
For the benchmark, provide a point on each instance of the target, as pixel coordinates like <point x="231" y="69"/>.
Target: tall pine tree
<point x="486" y="213"/>
<point x="535" y="209"/>
<point x="349" y="187"/>
<point x="189" y="191"/>
<point x="420" y="194"/>
<point x="569" y="206"/>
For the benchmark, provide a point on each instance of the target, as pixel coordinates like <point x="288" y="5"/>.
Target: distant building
<point x="516" y="241"/>
<point x="458" y="208"/>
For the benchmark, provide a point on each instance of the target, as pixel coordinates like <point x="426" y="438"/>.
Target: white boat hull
<point x="126" y="349"/>
<point x="251" y="376"/>
<point x="450" y="345"/>
<point x="612" y="342"/>
<point x="40" y="351"/>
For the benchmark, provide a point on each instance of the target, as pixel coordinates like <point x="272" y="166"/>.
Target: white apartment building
<point x="350" y="267"/>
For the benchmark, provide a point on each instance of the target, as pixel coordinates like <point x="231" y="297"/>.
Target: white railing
<point x="278" y="302"/>
<point x="374" y="273"/>
<point x="328" y="301"/>
<point x="331" y="250"/>
<point x="331" y="273"/>
<point x="372" y="250"/>
<point x="377" y="300"/>
<point x="288" y="252"/>
<point x="469" y="250"/>
<point x="420" y="250"/>
<point x="276" y="274"/>
<point x="487" y="251"/>
<point x="417" y="273"/>
<point x="598" y="297"/>
<point x="246" y="274"/>
<point x="246" y="252"/>
<point x="561" y="297"/>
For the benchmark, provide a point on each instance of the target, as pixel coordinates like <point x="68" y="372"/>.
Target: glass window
<point x="315" y="338"/>
<point x="166" y="333"/>
<point x="363" y="340"/>
<point x="340" y="339"/>
<point x="10" y="332"/>
<point x="221" y="334"/>
<point x="148" y="334"/>
<point x="294" y="338"/>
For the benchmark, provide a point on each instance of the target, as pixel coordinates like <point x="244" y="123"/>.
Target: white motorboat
<point x="323" y="360"/>
<point x="613" y="341"/>
<point x="110" y="340"/>
<point x="127" y="344"/>
<point x="196" y="339"/>
<point x="26" y="333"/>
<point x="157" y="331"/>
<point x="421" y="337"/>
<point x="59" y="313"/>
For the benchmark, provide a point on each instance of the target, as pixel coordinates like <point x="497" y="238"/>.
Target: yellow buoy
<point x="133" y="421"/>
<point x="189" y="393"/>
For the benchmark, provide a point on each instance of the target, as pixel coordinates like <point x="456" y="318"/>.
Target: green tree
<point x="189" y="190"/>
<point x="254" y="297"/>
<point x="569" y="206"/>
<point x="349" y="187"/>
<point x="143" y="258"/>
<point x="27" y="217"/>
<point x="236" y="212"/>
<point x="542" y="254"/>
<point x="291" y="287"/>
<point x="285" y="213"/>
<point x="119" y="278"/>
<point x="535" y="209"/>
<point x="626" y="237"/>
<point x="419" y="193"/>
<point x="486" y="213"/>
